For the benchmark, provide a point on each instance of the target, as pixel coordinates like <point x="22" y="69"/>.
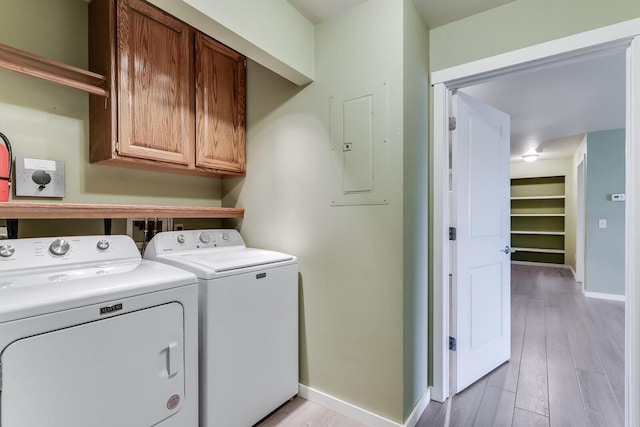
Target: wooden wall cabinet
<point x="176" y="97"/>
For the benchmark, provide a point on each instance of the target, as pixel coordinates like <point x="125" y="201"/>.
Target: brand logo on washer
<point x="110" y="309"/>
<point x="261" y="275"/>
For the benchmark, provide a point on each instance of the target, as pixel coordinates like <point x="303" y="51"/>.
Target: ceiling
<point x="551" y="108"/>
<point x="434" y="12"/>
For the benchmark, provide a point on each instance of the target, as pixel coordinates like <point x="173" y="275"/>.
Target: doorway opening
<point x="587" y="45"/>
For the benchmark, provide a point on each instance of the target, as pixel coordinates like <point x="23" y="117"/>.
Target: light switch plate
<point x="602" y="223"/>
<point x="39" y="177"/>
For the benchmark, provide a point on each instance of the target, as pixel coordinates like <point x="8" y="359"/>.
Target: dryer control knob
<point x="102" y="245"/>
<point x="6" y="251"/>
<point x="59" y="247"/>
<point x="225" y="236"/>
<point x="204" y="237"/>
<point x="180" y="238"/>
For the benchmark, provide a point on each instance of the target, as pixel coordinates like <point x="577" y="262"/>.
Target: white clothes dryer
<point x="248" y="322"/>
<point x="92" y="335"/>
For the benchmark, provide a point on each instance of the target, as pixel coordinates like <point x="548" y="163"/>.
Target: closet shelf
<point x="17" y="210"/>
<point x="540" y="250"/>
<point x="47" y="69"/>
<point x="537" y="214"/>
<point x="545" y="233"/>
<point x="537" y="197"/>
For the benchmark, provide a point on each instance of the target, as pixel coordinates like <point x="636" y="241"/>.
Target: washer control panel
<point x="189" y="240"/>
<point x="53" y="251"/>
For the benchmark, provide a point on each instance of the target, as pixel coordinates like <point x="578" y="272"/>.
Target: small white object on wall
<point x="39" y="177"/>
<point x="620" y="197"/>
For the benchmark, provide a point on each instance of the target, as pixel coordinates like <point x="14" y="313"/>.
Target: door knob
<point x="507" y="250"/>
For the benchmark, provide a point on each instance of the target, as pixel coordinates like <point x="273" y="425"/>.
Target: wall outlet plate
<point x="39" y="178"/>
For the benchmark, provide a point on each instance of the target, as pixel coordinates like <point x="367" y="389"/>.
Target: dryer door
<point x="125" y="370"/>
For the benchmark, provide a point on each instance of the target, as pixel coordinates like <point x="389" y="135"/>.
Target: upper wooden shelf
<point x="537" y="197"/>
<point x="16" y="210"/>
<point x="50" y="70"/>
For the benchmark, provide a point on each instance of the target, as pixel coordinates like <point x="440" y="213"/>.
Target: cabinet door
<point x="220" y="106"/>
<point x="155" y="119"/>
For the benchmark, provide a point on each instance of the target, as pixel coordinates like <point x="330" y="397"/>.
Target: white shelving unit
<point x="538" y="219"/>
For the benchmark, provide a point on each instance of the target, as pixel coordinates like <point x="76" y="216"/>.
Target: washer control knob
<point x="102" y="245"/>
<point x="180" y="238"/>
<point x="225" y="236"/>
<point x="204" y="237"/>
<point x="6" y="251"/>
<point x="59" y="247"/>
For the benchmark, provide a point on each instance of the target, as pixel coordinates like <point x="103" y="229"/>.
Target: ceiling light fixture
<point x="530" y="157"/>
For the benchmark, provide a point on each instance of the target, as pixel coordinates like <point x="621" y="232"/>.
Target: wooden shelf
<point x="545" y="233"/>
<point x="540" y="250"/>
<point x="50" y="70"/>
<point x="537" y="197"/>
<point x="16" y="210"/>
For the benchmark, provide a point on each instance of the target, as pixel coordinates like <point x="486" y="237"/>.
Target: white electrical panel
<point x="359" y="138"/>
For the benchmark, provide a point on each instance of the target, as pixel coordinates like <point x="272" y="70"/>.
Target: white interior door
<point x="481" y="262"/>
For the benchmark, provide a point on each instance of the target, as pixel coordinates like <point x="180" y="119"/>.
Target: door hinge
<point x="453" y="233"/>
<point x="452" y="123"/>
<point x="117" y="147"/>
<point x="452" y="344"/>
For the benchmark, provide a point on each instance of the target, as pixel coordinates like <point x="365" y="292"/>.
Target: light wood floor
<point x="566" y="368"/>
<point x="567" y="361"/>
<point x="301" y="412"/>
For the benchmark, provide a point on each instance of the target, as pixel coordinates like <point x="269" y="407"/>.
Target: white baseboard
<point x="542" y="264"/>
<point x="358" y="414"/>
<point x="575" y="276"/>
<point x="610" y="297"/>
<point x="422" y="404"/>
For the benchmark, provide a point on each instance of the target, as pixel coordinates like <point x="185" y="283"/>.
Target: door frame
<point x="580" y="219"/>
<point x="625" y="35"/>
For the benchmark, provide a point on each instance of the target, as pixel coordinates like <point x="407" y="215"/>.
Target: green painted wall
<point x="520" y="24"/>
<point x="415" y="210"/>
<point x="363" y="303"/>
<point x="604" y="255"/>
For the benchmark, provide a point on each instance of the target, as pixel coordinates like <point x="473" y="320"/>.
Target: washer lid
<point x="217" y="262"/>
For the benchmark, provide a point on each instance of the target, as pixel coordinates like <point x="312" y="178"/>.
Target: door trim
<point x="625" y="35"/>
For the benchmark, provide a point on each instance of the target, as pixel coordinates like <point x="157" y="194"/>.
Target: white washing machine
<point x="248" y="322"/>
<point x="92" y="335"/>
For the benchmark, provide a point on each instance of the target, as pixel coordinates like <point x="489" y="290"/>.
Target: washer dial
<point x="102" y="245"/>
<point x="204" y="237"/>
<point x="59" y="247"/>
<point x="6" y="251"/>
